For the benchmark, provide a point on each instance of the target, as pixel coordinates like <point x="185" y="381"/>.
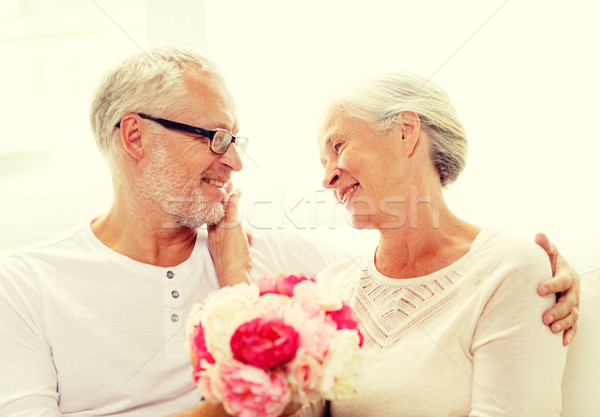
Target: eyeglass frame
<point x="209" y="133"/>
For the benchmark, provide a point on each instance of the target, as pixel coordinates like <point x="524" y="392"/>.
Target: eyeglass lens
<point x="222" y="139"/>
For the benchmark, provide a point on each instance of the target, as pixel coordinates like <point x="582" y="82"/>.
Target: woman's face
<point x="364" y="169"/>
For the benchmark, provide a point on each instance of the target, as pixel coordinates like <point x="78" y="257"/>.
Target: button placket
<point x="173" y="311"/>
<point x="173" y="300"/>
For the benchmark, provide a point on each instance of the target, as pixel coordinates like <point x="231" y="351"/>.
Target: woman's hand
<point x="565" y="283"/>
<point x="229" y="244"/>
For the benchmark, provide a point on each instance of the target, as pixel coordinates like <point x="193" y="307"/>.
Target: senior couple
<point x="92" y="320"/>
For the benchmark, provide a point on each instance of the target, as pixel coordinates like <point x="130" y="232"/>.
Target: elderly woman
<point x="449" y="310"/>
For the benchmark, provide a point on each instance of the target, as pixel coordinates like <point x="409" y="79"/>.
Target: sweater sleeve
<point x="517" y="361"/>
<point x="28" y="387"/>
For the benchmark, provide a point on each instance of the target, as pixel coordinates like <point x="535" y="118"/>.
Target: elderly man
<point x="92" y="321"/>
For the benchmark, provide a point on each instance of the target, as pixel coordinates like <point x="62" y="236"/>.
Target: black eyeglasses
<point x="219" y="139"/>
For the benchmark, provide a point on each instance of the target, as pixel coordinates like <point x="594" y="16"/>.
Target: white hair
<point x="148" y="82"/>
<point x="379" y="101"/>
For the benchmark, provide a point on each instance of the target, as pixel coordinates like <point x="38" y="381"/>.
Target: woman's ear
<point x="409" y="126"/>
<point x="130" y="135"/>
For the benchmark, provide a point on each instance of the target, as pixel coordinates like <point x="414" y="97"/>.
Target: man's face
<point x="183" y="175"/>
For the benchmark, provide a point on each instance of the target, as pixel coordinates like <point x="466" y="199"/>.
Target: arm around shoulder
<point x="517" y="362"/>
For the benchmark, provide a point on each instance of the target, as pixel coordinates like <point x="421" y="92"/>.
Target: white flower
<point x="221" y="317"/>
<point x="245" y="290"/>
<point x="304" y="375"/>
<point x="342" y="366"/>
<point x="309" y="291"/>
<point x="272" y="304"/>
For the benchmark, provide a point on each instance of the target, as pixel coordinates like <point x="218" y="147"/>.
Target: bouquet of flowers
<point x="257" y="348"/>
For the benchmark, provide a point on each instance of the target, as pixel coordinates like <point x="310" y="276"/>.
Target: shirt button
<point x="175" y="293"/>
<point x="174" y="318"/>
<point x="170" y="274"/>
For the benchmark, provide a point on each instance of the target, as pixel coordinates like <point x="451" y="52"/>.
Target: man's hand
<point x="229" y="245"/>
<point x="565" y="283"/>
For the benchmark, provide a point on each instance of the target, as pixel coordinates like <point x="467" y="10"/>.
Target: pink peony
<point x="305" y="374"/>
<point x="310" y="322"/>
<point x="264" y="343"/>
<point x="198" y="350"/>
<point x="345" y="318"/>
<point x="252" y="392"/>
<point x="266" y="284"/>
<point x="286" y="284"/>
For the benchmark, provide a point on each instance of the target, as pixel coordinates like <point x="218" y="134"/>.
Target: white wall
<point x="522" y="74"/>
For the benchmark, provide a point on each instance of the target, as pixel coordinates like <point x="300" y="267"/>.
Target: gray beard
<point x="188" y="208"/>
<point x="193" y="212"/>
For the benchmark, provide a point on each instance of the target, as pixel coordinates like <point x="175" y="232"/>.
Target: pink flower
<point x="266" y="284"/>
<point x="309" y="321"/>
<point x="198" y="350"/>
<point x="305" y="374"/>
<point x="264" y="343"/>
<point x="252" y="392"/>
<point x="286" y="284"/>
<point x="345" y="318"/>
<point x="221" y="317"/>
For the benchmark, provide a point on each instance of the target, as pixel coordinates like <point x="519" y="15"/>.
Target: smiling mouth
<point x="347" y="193"/>
<point x="214" y="182"/>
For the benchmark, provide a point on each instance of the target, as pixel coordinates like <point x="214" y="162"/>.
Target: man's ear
<point x="130" y="135"/>
<point x="408" y="124"/>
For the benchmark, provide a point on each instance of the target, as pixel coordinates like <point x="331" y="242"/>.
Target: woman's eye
<point x="337" y="146"/>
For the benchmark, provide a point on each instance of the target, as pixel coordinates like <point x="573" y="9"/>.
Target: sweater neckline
<point x="457" y="266"/>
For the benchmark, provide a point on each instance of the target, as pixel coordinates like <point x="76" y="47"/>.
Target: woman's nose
<point x="331" y="177"/>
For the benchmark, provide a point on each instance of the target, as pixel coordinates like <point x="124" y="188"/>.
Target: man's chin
<point x="211" y="214"/>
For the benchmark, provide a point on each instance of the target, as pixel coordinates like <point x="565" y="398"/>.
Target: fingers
<point x="563" y="316"/>
<point x="249" y="236"/>
<point x="231" y="218"/>
<point x="566" y="323"/>
<point x="559" y="283"/>
<point x="561" y="309"/>
<point x="229" y="188"/>
<point x="569" y="335"/>
<point x="234" y="197"/>
<point x="542" y="240"/>
<point x="229" y="245"/>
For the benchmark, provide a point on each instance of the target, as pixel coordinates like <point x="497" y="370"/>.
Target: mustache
<point x="222" y="174"/>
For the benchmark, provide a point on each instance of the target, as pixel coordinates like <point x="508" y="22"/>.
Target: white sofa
<point x="581" y="380"/>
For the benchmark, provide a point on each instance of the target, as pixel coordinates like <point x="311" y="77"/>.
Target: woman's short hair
<point x="378" y="102"/>
<point x="148" y="82"/>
